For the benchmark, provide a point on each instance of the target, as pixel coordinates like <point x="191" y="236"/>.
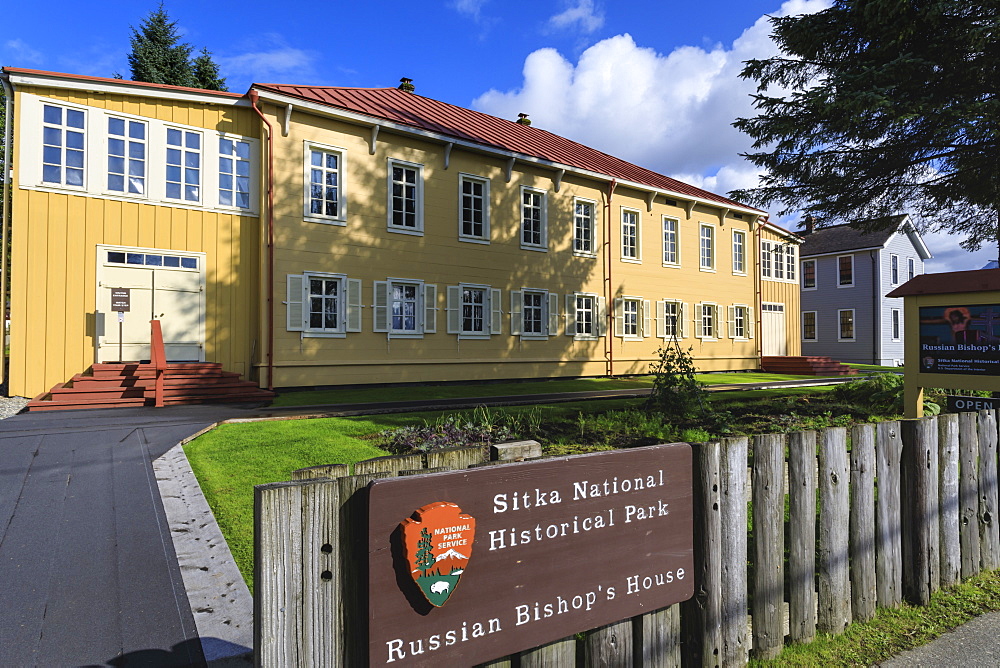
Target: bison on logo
<point x="438" y="544"/>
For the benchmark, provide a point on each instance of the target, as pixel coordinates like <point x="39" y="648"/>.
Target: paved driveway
<point x="88" y="574"/>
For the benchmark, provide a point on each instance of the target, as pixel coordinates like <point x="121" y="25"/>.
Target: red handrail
<point x="158" y="359"/>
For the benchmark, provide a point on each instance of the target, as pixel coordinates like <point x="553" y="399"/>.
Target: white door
<point x="163" y="285"/>
<point x="774" y="338"/>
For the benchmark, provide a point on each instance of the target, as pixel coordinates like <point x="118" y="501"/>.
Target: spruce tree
<point x="158" y="55"/>
<point x="206" y="72"/>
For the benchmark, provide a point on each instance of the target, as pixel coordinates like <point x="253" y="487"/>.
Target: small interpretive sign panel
<point x="960" y="339"/>
<point x="467" y="566"/>
<point x="121" y="299"/>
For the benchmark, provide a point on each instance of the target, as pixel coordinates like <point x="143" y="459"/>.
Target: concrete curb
<point x="220" y="600"/>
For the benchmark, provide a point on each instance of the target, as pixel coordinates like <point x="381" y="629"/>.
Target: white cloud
<point x="18" y="53"/>
<point x="583" y="15"/>
<point x="280" y="61"/>
<point x="471" y="8"/>
<point x="670" y="112"/>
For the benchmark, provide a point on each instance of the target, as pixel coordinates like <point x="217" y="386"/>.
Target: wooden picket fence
<point x="903" y="509"/>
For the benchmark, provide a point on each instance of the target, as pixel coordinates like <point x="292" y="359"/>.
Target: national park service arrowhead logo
<point x="437" y="543"/>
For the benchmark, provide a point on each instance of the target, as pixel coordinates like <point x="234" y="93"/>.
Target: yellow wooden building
<point x="311" y="236"/>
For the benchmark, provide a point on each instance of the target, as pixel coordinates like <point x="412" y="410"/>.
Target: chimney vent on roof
<point x="406" y="85"/>
<point x="523" y="119"/>
<point x="809" y="224"/>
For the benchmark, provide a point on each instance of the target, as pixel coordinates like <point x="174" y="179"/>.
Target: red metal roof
<point x="974" y="280"/>
<point x="446" y="119"/>
<point x="141" y="84"/>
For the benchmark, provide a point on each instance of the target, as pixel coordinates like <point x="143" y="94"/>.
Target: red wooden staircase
<point x="134" y="384"/>
<point x="805" y="366"/>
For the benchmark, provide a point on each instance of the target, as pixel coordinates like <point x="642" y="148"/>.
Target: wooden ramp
<point x="806" y="366"/>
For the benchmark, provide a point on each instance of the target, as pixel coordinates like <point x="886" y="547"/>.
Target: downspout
<point x="758" y="296"/>
<point x="254" y="99"/>
<point x="609" y="344"/>
<point x="876" y="310"/>
<point x="6" y="213"/>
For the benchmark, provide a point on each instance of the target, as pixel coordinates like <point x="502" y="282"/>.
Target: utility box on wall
<point x="952" y="333"/>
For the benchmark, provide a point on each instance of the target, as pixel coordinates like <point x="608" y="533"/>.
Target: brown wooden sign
<point x="468" y="566"/>
<point x="121" y="299"/>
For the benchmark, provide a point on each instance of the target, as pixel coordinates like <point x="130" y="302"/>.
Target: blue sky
<point x="652" y="81"/>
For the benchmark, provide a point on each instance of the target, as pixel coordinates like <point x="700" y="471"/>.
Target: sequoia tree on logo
<point x="438" y="545"/>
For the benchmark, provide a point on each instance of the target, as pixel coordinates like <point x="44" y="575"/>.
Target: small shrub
<point x="449" y="431"/>
<point x="880" y="393"/>
<point x="676" y="394"/>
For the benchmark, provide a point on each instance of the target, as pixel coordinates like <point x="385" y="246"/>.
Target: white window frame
<point x="642" y="315"/>
<point x="635" y="248"/>
<point x="349" y="307"/>
<point x="791" y="262"/>
<point x="815" y="277"/>
<point x="815" y="316"/>
<point x="701" y="247"/>
<point x="676" y="262"/>
<point x="184" y="150"/>
<point x="64" y="128"/>
<point x="778" y="255"/>
<point x="492" y="311"/>
<point x="840" y="327"/>
<point x="418" y="196"/>
<point x="549" y="314"/>
<point x="740" y="317"/>
<point x="483" y="238"/>
<point x="589" y="223"/>
<point x="896" y="324"/>
<point x="845" y="285"/>
<point x="127" y="139"/>
<point x="739" y="253"/>
<point x="893" y="269"/>
<point x="700" y="311"/>
<point x="680" y="320"/>
<point x="307" y="212"/>
<point x="766" y="259"/>
<point x="236" y="160"/>
<point x="543" y="221"/>
<point x="383" y="305"/>
<point x="597" y="311"/>
<point x="911" y="268"/>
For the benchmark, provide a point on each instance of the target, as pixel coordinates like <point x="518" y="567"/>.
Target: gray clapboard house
<point x="846" y="274"/>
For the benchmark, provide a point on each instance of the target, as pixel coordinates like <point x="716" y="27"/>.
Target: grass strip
<point x="896" y="630"/>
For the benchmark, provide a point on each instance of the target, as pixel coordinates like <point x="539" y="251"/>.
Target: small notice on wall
<point x="960" y="339"/>
<point x="468" y="566"/>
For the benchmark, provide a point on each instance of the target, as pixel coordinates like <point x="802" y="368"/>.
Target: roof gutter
<point x="254" y="99"/>
<point x="6" y="204"/>
<point x="369" y="121"/>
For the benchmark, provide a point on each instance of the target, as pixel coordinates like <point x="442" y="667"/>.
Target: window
<point x="632" y="317"/>
<point x="586" y="317"/>
<point x="765" y="259"/>
<point x="739" y="252"/>
<point x="62" y="145"/>
<point x="533" y="219"/>
<point x="809" y="325"/>
<point x="320" y="304"/>
<point x="671" y="249"/>
<point x="474" y="311"/>
<point x="790" y="262"/>
<point x="234" y="173"/>
<point x="707" y="248"/>
<point x="894" y="268"/>
<point x="705" y="321"/>
<point x="404" y="308"/>
<point x="896" y="325"/>
<point x="845" y="271"/>
<point x="406" y="189"/>
<point x="474" y="208"/>
<point x="670" y="319"/>
<point x="740" y="322"/>
<point x="324" y="194"/>
<point x="534" y="314"/>
<point x="809" y="274"/>
<point x="630" y="235"/>
<point x="778" y="254"/>
<point x="126" y="156"/>
<point x="183" y="165"/>
<point x="583" y="227"/>
<point x="846" y="318"/>
<point x="152" y="260"/>
<point x="911" y="268"/>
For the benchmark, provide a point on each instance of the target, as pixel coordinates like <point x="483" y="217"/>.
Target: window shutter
<point x="699" y="323"/>
<point x="682" y="319"/>
<point x="619" y="316"/>
<point x="553" y="314"/>
<point x="353" y="305"/>
<point x="380" y="307"/>
<point x="732" y="321"/>
<point x="294" y="308"/>
<point x="430" y="308"/>
<point x="571" y="315"/>
<point x="602" y="316"/>
<point x="647" y="316"/>
<point x="454" y="309"/>
<point x="661" y="319"/>
<point x="751" y="325"/>
<point x="496" y="312"/>
<point x="516" y="302"/>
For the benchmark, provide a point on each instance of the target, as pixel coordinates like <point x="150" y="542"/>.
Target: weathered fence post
<point x="658" y="634"/>
<point x="702" y="614"/>
<point x="834" y="611"/>
<point x="863" y="598"/>
<point x="802" y="536"/>
<point x="610" y="646"/>
<point x="769" y="545"/>
<point x="734" y="551"/>
<point x="921" y="574"/>
<point x="948" y="499"/>
<point x="989" y="539"/>
<point x="888" y="545"/>
<point x="968" y="490"/>
<point x="558" y="654"/>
